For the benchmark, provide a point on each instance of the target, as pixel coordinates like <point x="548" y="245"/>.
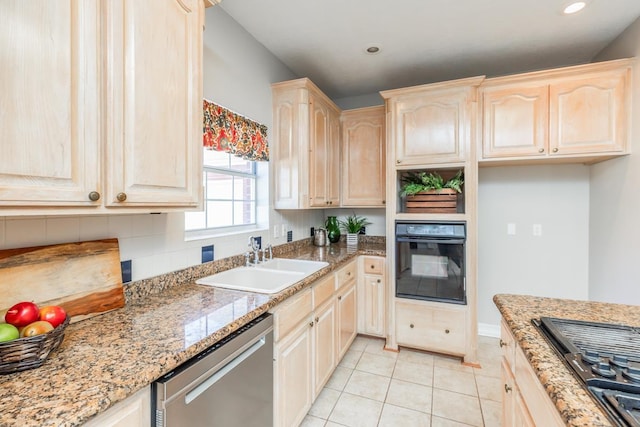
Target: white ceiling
<point x="424" y="41"/>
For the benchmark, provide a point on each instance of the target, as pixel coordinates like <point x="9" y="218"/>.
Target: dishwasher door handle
<point x="217" y="376"/>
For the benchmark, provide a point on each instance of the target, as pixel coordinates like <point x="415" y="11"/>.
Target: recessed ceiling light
<point x="372" y="50"/>
<point x="574" y="7"/>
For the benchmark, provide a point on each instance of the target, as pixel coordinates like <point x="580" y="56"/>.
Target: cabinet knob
<point x="340" y="298"/>
<point x="372" y="266"/>
<point x="121" y="197"/>
<point x="348" y="273"/>
<point x="541" y="150"/>
<point x="555" y="150"/>
<point x="398" y="161"/>
<point x="411" y="326"/>
<point x="311" y="324"/>
<point x="378" y="280"/>
<point x="94" y="196"/>
<point x="317" y="319"/>
<point x="502" y="344"/>
<point x="446" y="331"/>
<point x="507" y="388"/>
<point x="384" y="202"/>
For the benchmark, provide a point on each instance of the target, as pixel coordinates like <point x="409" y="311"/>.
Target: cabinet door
<point x="154" y="103"/>
<point x="363" y="158"/>
<point x="431" y="128"/>
<point x="589" y="115"/>
<point x="347" y="318"/>
<point x="515" y="121"/>
<point x="508" y="394"/>
<point x="325" y="351"/>
<point x="373" y="305"/>
<point x="49" y="93"/>
<point x="135" y="411"/>
<point x="293" y="377"/>
<point x="333" y="159"/>
<point x="318" y="154"/>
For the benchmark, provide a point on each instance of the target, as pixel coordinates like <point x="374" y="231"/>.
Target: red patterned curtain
<point x="227" y="131"/>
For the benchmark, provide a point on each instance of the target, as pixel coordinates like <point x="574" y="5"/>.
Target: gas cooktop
<point x="605" y="358"/>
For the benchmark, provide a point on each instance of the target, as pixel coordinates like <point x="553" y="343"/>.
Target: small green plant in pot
<point x="352" y="225"/>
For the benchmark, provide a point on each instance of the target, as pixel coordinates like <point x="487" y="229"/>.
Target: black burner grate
<point x="606" y="339"/>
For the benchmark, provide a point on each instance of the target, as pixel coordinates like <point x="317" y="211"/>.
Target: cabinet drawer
<point x="507" y="343"/>
<point x="373" y="265"/>
<point x="290" y="313"/>
<point x="431" y="328"/>
<point x="346" y="275"/>
<point x="323" y="290"/>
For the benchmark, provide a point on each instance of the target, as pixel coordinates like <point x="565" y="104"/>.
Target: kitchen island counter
<point x="574" y="404"/>
<point x="166" y="321"/>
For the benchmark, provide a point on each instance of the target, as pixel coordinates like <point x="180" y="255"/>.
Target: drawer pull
<point x="411" y="326"/>
<point x="446" y="331"/>
<point x="94" y="196"/>
<point x="555" y="150"/>
<point x="378" y="280"/>
<point x="121" y="197"/>
<point x="503" y="344"/>
<point x="541" y="150"/>
<point x="373" y="266"/>
<point x="507" y="389"/>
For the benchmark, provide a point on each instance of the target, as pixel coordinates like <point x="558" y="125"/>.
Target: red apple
<point x="22" y="314"/>
<point x="53" y="314"/>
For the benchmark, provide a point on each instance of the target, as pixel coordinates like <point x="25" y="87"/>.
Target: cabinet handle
<point x="541" y="150"/>
<point x="555" y="150"/>
<point x="311" y="324"/>
<point x="94" y="196"/>
<point x="507" y="388"/>
<point x="378" y="280"/>
<point x="411" y="326"/>
<point x="317" y="319"/>
<point x="121" y="197"/>
<point x="446" y="331"/>
<point x="502" y="344"/>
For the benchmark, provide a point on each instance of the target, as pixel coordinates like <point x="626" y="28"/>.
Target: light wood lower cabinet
<point x="371" y="296"/>
<point x="524" y="400"/>
<point x="312" y="331"/>
<point x="432" y="327"/>
<point x="135" y="411"/>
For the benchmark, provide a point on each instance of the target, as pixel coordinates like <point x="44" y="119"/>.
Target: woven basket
<point x="31" y="352"/>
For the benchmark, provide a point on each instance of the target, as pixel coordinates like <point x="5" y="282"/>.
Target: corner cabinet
<point x="570" y="114"/>
<point x="114" y="124"/>
<point x="363" y="157"/>
<point x="305" y="152"/>
<point x="431" y="124"/>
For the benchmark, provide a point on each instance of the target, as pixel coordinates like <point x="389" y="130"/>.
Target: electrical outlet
<point x="363" y="230"/>
<point x="511" y="229"/>
<point x="537" y="230"/>
<point x="289" y="236"/>
<point x="276" y="231"/>
<point x="284" y="229"/>
<point x="313" y="231"/>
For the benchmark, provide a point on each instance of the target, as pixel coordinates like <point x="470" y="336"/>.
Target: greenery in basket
<point x="415" y="182"/>
<point x="353" y="223"/>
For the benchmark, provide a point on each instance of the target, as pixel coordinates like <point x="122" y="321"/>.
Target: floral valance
<point x="224" y="130"/>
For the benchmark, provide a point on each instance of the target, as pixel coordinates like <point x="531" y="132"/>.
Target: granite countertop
<point x="575" y="405"/>
<point x="109" y="357"/>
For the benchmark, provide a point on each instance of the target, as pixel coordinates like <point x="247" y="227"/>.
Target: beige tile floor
<point x="373" y="387"/>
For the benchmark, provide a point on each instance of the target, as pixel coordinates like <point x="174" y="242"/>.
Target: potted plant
<point x="352" y="225"/>
<point x="430" y="192"/>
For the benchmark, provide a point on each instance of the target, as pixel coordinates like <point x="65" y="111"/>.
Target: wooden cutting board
<point x="84" y="277"/>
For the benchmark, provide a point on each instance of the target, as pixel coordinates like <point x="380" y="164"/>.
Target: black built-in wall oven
<point x="430" y="261"/>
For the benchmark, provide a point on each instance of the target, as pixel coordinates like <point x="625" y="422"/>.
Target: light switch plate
<point x="511" y="229"/>
<point x="537" y="230"/>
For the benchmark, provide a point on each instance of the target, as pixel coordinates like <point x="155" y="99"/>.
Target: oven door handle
<point x="440" y="241"/>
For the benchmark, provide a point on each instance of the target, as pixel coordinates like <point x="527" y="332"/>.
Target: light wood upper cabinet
<point x="363" y="157"/>
<point x="154" y="103"/>
<point x="305" y="147"/>
<point x="431" y="124"/>
<point x="50" y="99"/>
<point x="104" y="106"/>
<point x="515" y="121"/>
<point x="570" y="114"/>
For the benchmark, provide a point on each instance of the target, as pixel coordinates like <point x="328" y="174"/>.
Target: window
<point x="229" y="193"/>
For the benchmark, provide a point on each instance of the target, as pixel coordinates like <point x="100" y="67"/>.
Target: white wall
<point x="615" y="202"/>
<point x="554" y="264"/>
<point x="238" y="72"/>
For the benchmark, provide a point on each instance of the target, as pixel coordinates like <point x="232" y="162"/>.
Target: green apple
<point x="8" y="332"/>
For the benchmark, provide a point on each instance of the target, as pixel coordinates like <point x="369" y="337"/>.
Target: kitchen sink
<point x="268" y="278"/>
<point x="298" y="265"/>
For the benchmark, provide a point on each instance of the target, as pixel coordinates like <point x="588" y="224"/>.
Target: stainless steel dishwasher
<point x="230" y="384"/>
